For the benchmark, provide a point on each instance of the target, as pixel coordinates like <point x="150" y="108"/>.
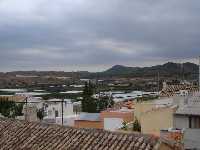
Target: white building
<point x="36" y="101"/>
<point x="188" y="113"/>
<point x="67" y="120"/>
<point x="54" y="108"/>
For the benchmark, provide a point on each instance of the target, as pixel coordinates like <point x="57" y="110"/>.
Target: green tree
<point x="40" y="114"/>
<point x="90" y="104"/>
<point x="136" y="126"/>
<point x="104" y="102"/>
<point x="9" y="108"/>
<point x="18" y="109"/>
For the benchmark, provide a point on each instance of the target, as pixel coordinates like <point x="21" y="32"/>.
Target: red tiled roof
<point x="172" y="89"/>
<point x="21" y="135"/>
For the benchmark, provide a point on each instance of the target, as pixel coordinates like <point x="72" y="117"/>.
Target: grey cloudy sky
<point x="96" y="34"/>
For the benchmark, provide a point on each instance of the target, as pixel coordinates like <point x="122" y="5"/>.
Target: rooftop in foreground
<point x="20" y="135"/>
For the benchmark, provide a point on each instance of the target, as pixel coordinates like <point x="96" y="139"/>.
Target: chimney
<point x="164" y="85"/>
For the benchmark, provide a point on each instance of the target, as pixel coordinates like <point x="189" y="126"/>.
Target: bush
<point x="9" y="108"/>
<point x="124" y="126"/>
<point x="136" y="126"/>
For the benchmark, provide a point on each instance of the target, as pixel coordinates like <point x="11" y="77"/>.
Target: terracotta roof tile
<point x="172" y="89"/>
<point x="21" y="135"/>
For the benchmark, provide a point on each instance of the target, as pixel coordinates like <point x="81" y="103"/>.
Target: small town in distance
<point x="99" y="74"/>
<point x="162" y="105"/>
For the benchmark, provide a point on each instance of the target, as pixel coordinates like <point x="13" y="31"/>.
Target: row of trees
<point x="91" y="104"/>
<point x="9" y="108"/>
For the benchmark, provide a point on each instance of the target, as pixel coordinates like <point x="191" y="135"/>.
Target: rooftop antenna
<point x="158" y="82"/>
<point x="99" y="91"/>
<point x="178" y="63"/>
<point x="182" y="71"/>
<point x="110" y="98"/>
<point x="199" y="72"/>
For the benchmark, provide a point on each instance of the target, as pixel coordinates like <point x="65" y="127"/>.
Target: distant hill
<point x="119" y="69"/>
<point x="168" y="69"/>
<point x="190" y="70"/>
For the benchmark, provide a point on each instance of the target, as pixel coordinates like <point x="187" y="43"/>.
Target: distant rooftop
<point x="89" y="117"/>
<point x="59" y="100"/>
<point x="122" y="110"/>
<point x="13" y="90"/>
<point x="171" y="90"/>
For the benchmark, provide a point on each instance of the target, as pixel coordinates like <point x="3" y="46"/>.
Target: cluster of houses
<point x="80" y="130"/>
<point x="68" y="113"/>
<point x="174" y="116"/>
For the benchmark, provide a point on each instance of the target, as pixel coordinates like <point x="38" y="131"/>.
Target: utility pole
<point x="99" y="92"/>
<point x="158" y="82"/>
<point x="62" y="110"/>
<point x="26" y="109"/>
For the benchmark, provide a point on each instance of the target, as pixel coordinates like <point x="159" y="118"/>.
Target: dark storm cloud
<point x="40" y="34"/>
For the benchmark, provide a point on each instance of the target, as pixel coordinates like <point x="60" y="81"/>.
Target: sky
<point x="94" y="35"/>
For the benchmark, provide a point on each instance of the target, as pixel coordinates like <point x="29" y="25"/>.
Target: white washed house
<point x="53" y="108"/>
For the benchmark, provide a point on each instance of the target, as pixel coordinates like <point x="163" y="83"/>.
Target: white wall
<point x="112" y="124"/>
<point x="181" y="122"/>
<point x="192" y="139"/>
<point x="53" y="107"/>
<point x="68" y="108"/>
<point x="69" y="121"/>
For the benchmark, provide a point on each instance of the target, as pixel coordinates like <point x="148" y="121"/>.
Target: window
<point x="56" y="113"/>
<point x="49" y="113"/>
<point x="194" y="122"/>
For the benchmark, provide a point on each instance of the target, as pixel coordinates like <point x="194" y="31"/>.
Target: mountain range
<point x="165" y="69"/>
<point x="169" y="69"/>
